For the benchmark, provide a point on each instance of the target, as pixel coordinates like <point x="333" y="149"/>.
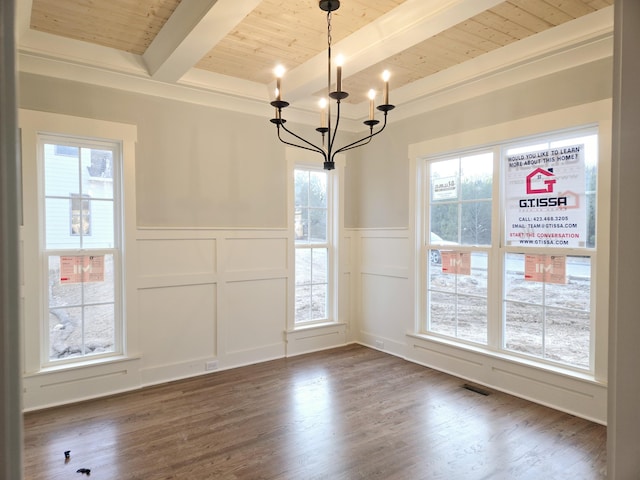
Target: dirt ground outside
<point x="546" y="320"/>
<point x="75" y="330"/>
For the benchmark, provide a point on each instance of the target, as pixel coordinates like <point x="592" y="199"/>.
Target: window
<point x="460" y="222"/>
<point x="311" y="227"/>
<point x="548" y="249"/>
<point x="81" y="250"/>
<point x="514" y="225"/>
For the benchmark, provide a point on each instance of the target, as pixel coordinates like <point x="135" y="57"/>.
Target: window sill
<point x="586" y="377"/>
<point x="313" y="326"/>
<point x="80" y="365"/>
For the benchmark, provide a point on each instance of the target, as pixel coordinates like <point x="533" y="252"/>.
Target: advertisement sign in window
<point x="444" y="188"/>
<point x="454" y="262"/>
<point x="82" y="268"/>
<point x="546" y="201"/>
<point x="545" y="268"/>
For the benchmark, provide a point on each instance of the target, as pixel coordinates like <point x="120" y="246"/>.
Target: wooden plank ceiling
<point x="289" y="33"/>
<point x="292" y="32"/>
<point x="127" y="25"/>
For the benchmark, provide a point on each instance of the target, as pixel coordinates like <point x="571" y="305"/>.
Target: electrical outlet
<point x="211" y="365"/>
<point x="379" y="344"/>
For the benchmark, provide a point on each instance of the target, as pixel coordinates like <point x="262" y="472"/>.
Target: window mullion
<point x="495" y="306"/>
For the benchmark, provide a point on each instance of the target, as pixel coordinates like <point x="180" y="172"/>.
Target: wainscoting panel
<point x="176" y="261"/>
<point x="315" y="338"/>
<point x="386" y="251"/>
<point x="56" y="387"/>
<point x="253" y="255"/>
<point x="384" y="309"/>
<point x="180" y="326"/>
<point x="255" y="318"/>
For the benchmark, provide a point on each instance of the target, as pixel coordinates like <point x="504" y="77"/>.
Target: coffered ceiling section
<point x="128" y="25"/>
<point x="289" y="32"/>
<point x="213" y="44"/>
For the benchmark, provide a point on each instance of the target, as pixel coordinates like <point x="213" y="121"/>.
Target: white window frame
<point x="429" y="245"/>
<point x="301" y="159"/>
<point x="564" y="120"/>
<point x="115" y="250"/>
<point x="33" y="124"/>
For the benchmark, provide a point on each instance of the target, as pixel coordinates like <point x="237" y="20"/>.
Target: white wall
<point x="208" y="257"/>
<point x="215" y="204"/>
<point x="196" y="166"/>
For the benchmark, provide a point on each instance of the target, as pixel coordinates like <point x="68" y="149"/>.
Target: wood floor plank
<point x="346" y="413"/>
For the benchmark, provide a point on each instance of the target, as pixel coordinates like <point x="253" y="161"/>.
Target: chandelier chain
<point x="329" y="29"/>
<point x="329" y="40"/>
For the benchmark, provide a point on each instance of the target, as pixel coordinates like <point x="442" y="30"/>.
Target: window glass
<point x="311" y="219"/>
<point x="461" y="199"/>
<point x="548" y="306"/>
<point x="102" y="225"/>
<point x="81" y="250"/>
<point x="457" y="290"/>
<point x="80" y="215"/>
<point x="81" y="305"/>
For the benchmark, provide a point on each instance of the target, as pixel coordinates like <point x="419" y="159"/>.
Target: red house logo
<point x="538" y="174"/>
<point x="573" y="199"/>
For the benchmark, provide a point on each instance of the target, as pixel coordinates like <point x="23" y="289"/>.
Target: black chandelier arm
<point x="295" y="144"/>
<point x="351" y="146"/>
<point x="312" y="147"/>
<point x="332" y="138"/>
<point x="363" y="141"/>
<point x="302" y="147"/>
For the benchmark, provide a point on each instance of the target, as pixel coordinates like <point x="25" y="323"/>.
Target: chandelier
<point x="327" y="147"/>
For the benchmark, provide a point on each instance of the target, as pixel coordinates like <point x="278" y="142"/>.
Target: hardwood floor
<point x="346" y="413"/>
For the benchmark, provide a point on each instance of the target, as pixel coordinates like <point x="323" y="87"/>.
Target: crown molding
<point x="581" y="41"/>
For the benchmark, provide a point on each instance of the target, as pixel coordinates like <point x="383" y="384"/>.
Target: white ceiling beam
<point x="193" y="29"/>
<point x="23" y="18"/>
<point x="406" y="25"/>
<point x="68" y="51"/>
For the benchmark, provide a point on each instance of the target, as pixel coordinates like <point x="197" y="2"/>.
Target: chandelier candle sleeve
<point x="323" y="112"/>
<point x="339" y="62"/>
<point x="372" y="96"/>
<point x="279" y="71"/>
<point x="385" y="77"/>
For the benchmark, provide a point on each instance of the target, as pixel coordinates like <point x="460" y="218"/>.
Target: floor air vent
<point x="476" y="389"/>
